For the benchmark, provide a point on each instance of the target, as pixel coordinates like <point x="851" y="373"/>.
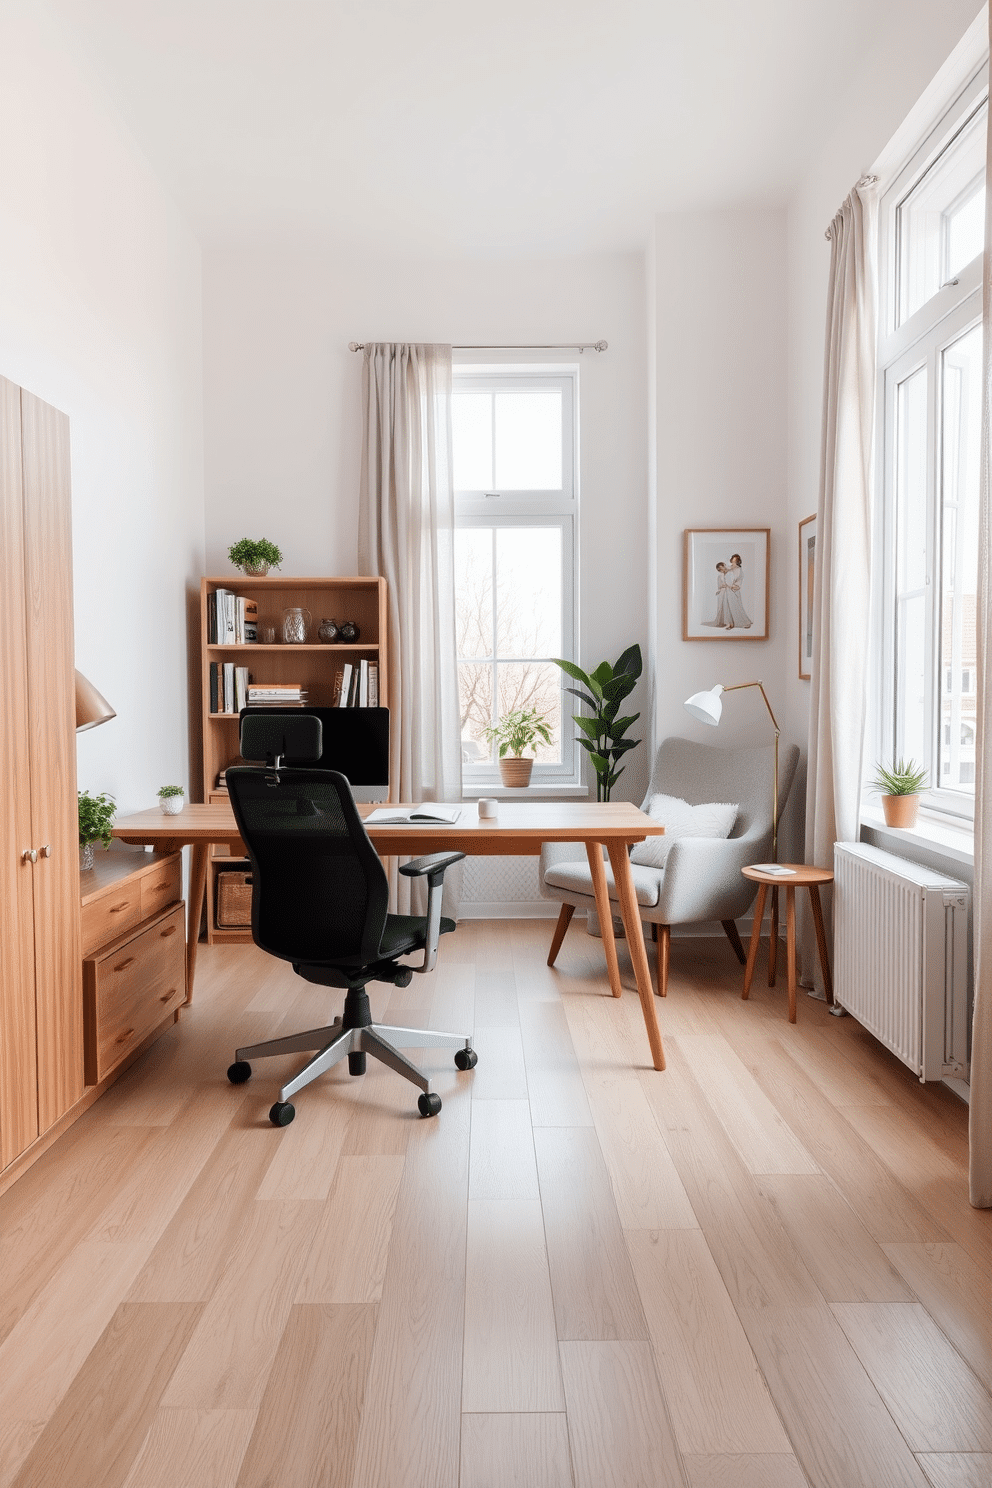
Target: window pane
<point x="475" y="689"/>
<point x="911" y="565"/>
<point x="961" y="416"/>
<point x="941" y="223"/>
<point x="474" y="591"/>
<point x="528" y="588"/>
<point x="528" y="441"/>
<point x="472" y="441"/>
<point x="533" y="685"/>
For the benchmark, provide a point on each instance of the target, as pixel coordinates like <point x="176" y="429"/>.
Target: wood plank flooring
<point x="757" y="1269"/>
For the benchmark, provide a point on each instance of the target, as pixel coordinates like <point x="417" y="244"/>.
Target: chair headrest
<point x="296" y="739"/>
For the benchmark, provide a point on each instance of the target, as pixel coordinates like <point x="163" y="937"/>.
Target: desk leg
<point x="821" y="941"/>
<point x="199" y="852"/>
<point x="790" y="947"/>
<point x="752" y="950"/>
<point x="604" y="910"/>
<point x="635" y="944"/>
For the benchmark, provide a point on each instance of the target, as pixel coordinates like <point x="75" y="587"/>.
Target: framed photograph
<point x="725" y="584"/>
<point x="807" y="580"/>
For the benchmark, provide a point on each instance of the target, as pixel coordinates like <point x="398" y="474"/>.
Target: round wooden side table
<point x="803" y="876"/>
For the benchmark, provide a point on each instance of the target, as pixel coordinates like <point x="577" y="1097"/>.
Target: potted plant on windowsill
<point x="255" y="556"/>
<point x="512" y="734"/>
<point x="96" y="816"/>
<point x="172" y="799"/>
<point x="899" y="785"/>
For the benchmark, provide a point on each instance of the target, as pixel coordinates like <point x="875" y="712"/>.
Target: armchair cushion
<point x="709" y="819"/>
<point x="576" y="878"/>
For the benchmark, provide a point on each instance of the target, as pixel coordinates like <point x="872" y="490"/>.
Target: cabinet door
<point x="18" y="1083"/>
<point x="52" y="722"/>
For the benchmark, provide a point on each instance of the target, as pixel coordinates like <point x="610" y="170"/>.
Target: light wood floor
<point x="758" y="1269"/>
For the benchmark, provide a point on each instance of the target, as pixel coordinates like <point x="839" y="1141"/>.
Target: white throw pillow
<point x="711" y="819"/>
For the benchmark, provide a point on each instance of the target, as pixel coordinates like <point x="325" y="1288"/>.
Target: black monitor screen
<point x="355" y="741"/>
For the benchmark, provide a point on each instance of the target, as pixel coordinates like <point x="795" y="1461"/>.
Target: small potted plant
<point x="96" y="815"/>
<point x="255" y="556"/>
<point x="899" y="785"/>
<point x="512" y="734"/>
<point x="171" y="798"/>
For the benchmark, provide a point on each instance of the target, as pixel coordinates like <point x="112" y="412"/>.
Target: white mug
<point x="488" y="807"/>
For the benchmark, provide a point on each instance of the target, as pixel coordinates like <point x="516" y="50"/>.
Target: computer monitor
<point x="355" y="741"/>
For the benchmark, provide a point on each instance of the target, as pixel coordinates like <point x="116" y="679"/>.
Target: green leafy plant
<point x="517" y="731"/>
<point x="602" y="735"/>
<point x="96" y="815"/>
<point x="901" y="778"/>
<point x="172" y="790"/>
<point x="254" y="553"/>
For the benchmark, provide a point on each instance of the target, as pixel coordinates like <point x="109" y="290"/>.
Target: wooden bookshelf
<point x="314" y="665"/>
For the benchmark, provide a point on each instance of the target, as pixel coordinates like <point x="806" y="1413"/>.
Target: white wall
<point x="100" y="316"/>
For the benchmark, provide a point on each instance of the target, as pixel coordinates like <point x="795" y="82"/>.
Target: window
<point x="931" y="227"/>
<point x="513" y="436"/>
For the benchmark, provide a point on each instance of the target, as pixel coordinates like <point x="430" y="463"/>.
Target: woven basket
<point x="234" y="898"/>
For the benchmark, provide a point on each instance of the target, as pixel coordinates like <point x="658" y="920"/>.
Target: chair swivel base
<point x="335" y="1041"/>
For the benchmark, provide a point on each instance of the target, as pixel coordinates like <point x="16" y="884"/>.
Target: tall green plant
<point x="602" y="735"/>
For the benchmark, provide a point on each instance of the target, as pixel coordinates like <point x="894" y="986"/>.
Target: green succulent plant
<point x="602" y="735"/>
<point x="253" y="552"/>
<point x="96" y="816"/>
<point x="901" y="778"/>
<point x="171" y="790"/>
<point x="517" y="731"/>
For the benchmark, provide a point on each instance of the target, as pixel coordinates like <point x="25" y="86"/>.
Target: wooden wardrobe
<point x="41" y="1007"/>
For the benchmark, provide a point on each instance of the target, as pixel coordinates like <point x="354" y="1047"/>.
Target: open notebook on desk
<point x="430" y="811"/>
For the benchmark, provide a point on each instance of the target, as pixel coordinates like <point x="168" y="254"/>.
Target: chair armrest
<point x="433" y="868"/>
<point x="703" y="879"/>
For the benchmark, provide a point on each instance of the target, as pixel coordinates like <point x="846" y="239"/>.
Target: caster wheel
<point x="429" y="1105"/>
<point x="282" y="1113"/>
<point x="466" y="1059"/>
<point x="239" y="1072"/>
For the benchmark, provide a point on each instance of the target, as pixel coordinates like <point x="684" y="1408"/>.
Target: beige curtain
<point x="406" y="534"/>
<point x="839" y="685"/>
<point x="980" y="1111"/>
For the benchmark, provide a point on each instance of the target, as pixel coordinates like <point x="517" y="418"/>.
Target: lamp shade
<point x="91" y="707"/>
<point x="706" y="707"/>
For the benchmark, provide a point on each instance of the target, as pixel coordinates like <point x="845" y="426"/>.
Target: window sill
<point x="536" y="791"/>
<point x="932" y="833"/>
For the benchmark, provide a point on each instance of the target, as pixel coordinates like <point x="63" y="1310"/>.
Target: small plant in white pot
<point x="172" y="799"/>
<point x="522" y="729"/>
<point x="899" y="785"/>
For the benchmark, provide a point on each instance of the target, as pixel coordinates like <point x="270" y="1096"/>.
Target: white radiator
<point x="901" y="956"/>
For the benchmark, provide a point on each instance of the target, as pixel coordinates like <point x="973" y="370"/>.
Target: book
<point x="373" y="684"/>
<point x="774" y="870"/>
<point x="346" y="671"/>
<point x="363" y="684"/>
<point x="336" y="698"/>
<point x="247" y="619"/>
<point x="429" y="812"/>
<point x="214" y="692"/>
<point x="228" y="687"/>
<point x="240" y="688"/>
<point x="353" y="690"/>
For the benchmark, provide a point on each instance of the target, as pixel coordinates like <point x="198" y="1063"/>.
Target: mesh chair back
<point x="320" y="893"/>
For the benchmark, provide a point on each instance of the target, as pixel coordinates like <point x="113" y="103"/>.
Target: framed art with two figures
<point x="725" y="584"/>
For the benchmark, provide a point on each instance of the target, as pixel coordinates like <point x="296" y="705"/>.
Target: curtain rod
<point x="577" y="346"/>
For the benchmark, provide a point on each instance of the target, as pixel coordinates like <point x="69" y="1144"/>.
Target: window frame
<point x="534" y="508"/>
<point x="919" y="342"/>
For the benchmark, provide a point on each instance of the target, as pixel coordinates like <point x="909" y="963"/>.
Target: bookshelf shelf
<point x="314" y="665"/>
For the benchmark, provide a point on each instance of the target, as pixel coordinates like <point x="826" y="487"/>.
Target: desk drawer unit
<point x="113" y="913"/>
<point x="130" y="988"/>
<point x="161" y="887"/>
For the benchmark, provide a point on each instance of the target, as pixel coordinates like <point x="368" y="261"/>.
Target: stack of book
<point x="229" y="685"/>
<point x="357" y="685"/>
<point x="232" y="619"/>
<point x="276" y="695"/>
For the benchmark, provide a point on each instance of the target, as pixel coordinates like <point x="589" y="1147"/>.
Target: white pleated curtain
<point x="980" y="1111"/>
<point x="842" y="597"/>
<point x="406" y="534"/>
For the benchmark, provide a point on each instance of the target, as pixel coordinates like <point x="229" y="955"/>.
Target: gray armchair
<point x="702" y="877"/>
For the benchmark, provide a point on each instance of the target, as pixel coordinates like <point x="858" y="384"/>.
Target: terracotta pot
<point x="515" y="770"/>
<point x="900" y="811"/>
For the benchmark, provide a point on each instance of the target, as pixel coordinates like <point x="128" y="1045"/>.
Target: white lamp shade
<point x="706" y="707"/>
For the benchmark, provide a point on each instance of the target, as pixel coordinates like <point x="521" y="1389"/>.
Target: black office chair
<point x="320" y="900"/>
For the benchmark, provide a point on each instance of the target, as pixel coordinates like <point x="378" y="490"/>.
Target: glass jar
<point x="296" y="623"/>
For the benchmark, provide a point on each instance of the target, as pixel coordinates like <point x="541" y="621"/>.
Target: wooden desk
<point x="520" y="830"/>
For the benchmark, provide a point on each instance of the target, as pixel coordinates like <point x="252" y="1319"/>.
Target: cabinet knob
<point x="29" y="855"/>
<point x="46" y="851"/>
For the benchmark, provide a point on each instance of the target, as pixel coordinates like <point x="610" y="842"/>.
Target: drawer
<point x="112" y="914"/>
<point x="161" y="886"/>
<point x="129" y="991"/>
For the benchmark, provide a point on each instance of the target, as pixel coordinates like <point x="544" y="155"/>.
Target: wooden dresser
<point x="134" y="953"/>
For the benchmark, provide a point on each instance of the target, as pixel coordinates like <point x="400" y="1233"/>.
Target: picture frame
<point x="725" y="583"/>
<point x="807" y="595"/>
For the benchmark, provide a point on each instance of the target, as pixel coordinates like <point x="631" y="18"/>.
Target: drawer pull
<point x="121" y="964"/>
<point x="117" y="908"/>
<point x="122" y="1038"/>
<point x="171" y="930"/>
<point x="169" y="995"/>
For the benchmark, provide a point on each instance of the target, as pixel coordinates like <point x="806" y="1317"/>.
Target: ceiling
<point x="450" y="128"/>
